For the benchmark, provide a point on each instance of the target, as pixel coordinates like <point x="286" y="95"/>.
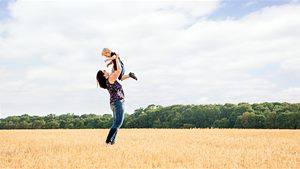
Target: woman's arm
<point x="110" y="58"/>
<point x="114" y="75"/>
<point x="113" y="69"/>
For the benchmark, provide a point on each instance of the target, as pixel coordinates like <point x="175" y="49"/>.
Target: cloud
<point x="250" y="3"/>
<point x="51" y="51"/>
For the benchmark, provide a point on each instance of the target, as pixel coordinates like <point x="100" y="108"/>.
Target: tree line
<point x="243" y="115"/>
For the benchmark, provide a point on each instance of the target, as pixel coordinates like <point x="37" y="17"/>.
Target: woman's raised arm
<point x="115" y="74"/>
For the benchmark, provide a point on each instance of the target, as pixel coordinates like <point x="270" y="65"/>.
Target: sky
<point x="183" y="52"/>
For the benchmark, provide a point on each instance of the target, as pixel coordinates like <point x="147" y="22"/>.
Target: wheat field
<point x="150" y="148"/>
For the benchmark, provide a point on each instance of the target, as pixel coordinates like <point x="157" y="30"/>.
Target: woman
<point x="109" y="82"/>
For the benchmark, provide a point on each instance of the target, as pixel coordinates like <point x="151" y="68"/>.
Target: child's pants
<point x="122" y="68"/>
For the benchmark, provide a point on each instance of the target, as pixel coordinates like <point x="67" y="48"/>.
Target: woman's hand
<point x="106" y="60"/>
<point x="111" y="58"/>
<point x="116" y="56"/>
<point x="114" y="75"/>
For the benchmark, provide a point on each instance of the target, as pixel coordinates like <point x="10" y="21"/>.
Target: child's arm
<point x="111" y="62"/>
<point x="110" y="58"/>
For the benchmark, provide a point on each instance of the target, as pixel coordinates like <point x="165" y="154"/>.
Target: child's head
<point x="106" y="52"/>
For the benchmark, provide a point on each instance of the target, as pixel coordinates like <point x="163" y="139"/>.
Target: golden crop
<point x="150" y="148"/>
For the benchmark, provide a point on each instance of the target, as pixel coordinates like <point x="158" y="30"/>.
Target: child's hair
<point x="105" y="50"/>
<point x="101" y="79"/>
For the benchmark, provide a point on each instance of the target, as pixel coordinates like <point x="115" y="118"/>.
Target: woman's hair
<point x="101" y="79"/>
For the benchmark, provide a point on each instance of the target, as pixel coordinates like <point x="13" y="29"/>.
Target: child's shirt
<point x="114" y="61"/>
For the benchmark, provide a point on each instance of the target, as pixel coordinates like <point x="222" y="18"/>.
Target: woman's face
<point x="105" y="74"/>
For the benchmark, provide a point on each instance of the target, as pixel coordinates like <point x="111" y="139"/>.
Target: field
<point x="150" y="148"/>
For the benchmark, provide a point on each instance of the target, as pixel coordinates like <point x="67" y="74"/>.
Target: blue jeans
<point x="118" y="117"/>
<point x="122" y="70"/>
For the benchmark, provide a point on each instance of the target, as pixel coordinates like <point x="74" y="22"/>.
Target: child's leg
<point x="130" y="75"/>
<point x="122" y="71"/>
<point x="124" y="77"/>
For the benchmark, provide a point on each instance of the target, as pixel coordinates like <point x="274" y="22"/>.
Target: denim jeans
<point x="118" y="116"/>
<point x="122" y="70"/>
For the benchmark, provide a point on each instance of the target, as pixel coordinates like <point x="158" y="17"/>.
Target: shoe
<point x="109" y="143"/>
<point x="132" y="75"/>
<point x="113" y="138"/>
<point x="110" y="135"/>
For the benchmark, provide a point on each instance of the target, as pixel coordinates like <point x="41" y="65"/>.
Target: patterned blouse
<point x="115" y="90"/>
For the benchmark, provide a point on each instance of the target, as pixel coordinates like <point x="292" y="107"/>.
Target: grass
<point x="150" y="148"/>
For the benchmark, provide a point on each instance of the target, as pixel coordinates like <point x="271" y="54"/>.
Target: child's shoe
<point x="132" y="75"/>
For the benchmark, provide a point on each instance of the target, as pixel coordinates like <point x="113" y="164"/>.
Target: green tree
<point x="260" y="121"/>
<point x="270" y="120"/>
<point x="188" y="125"/>
<point x="239" y="110"/>
<point x="53" y="124"/>
<point x="223" y="123"/>
<point x="296" y="117"/>
<point x="23" y="125"/>
<point x="285" y="120"/>
<point x="38" y="124"/>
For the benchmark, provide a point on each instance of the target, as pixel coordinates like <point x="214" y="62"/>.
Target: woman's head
<point x="101" y="77"/>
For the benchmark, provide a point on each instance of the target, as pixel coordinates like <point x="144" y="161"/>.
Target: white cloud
<point x="250" y="3"/>
<point x="51" y="53"/>
<point x="291" y="65"/>
<point x="292" y="93"/>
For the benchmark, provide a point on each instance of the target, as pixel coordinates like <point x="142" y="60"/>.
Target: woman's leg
<point x="110" y="135"/>
<point x="118" y="121"/>
<point x="114" y="137"/>
<point x="119" y="118"/>
<point x="119" y="113"/>
<point x="112" y="130"/>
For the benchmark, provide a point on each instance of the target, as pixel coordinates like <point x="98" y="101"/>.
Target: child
<point x="111" y="56"/>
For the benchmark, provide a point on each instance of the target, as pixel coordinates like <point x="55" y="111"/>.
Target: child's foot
<point x="132" y="76"/>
